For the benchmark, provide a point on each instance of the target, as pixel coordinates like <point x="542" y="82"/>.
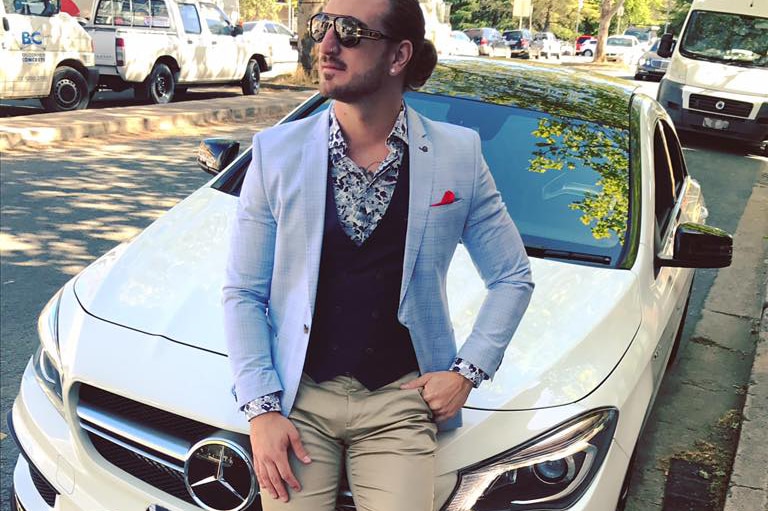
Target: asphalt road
<point x="63" y="207"/>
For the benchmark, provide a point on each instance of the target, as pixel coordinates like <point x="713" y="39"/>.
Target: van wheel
<point x="69" y="91"/>
<point x="252" y="79"/>
<point x="159" y="86"/>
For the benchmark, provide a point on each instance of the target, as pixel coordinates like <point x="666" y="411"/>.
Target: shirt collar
<point x="399" y="131"/>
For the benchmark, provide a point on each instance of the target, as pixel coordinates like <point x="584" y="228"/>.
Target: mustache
<point x="330" y="59"/>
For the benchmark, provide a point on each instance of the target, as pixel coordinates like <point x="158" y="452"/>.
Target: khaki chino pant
<point x="385" y="438"/>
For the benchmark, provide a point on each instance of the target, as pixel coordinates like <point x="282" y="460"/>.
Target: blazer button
<point x="369" y="351"/>
<point x="306" y="329"/>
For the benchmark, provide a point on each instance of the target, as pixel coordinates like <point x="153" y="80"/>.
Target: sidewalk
<point x="53" y="127"/>
<point x="748" y="487"/>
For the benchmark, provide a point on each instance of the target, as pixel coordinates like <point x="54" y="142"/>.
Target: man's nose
<point x="330" y="43"/>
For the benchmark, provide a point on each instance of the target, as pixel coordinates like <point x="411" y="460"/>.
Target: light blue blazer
<point x="274" y="260"/>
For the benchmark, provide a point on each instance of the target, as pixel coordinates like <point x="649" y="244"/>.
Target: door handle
<point x="214" y="43"/>
<point x="190" y="41"/>
<point x="6" y="25"/>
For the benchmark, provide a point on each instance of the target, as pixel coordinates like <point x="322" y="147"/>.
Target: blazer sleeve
<point x="246" y="291"/>
<point x="497" y="251"/>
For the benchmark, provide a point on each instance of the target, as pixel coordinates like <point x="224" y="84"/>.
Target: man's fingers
<point x="418" y="382"/>
<point x="286" y="474"/>
<point x="298" y="447"/>
<point x="262" y="476"/>
<point x="277" y="482"/>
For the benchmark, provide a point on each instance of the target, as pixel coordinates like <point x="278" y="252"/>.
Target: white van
<point x="45" y="54"/>
<point x="717" y="81"/>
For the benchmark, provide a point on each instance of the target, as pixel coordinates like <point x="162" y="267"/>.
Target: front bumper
<point x="672" y="98"/>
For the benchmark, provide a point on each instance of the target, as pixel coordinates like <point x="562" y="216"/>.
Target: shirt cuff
<point x="469" y="371"/>
<point x="262" y="405"/>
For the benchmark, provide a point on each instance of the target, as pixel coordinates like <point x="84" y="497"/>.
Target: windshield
<point x="724" y="37"/>
<point x="642" y="35"/>
<point x="619" y="41"/>
<point x="514" y="35"/>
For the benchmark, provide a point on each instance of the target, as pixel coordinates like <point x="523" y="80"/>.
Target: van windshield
<point x="724" y="37"/>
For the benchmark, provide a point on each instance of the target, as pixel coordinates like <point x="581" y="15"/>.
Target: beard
<point x="357" y="87"/>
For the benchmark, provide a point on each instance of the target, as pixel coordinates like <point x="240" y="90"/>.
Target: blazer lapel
<point x="422" y="171"/>
<point x="314" y="164"/>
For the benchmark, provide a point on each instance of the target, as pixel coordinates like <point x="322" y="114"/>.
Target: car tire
<point x="587" y="53"/>
<point x="624" y="492"/>
<point x="69" y="91"/>
<point x="252" y="79"/>
<point x="675" y="351"/>
<point x="159" y="87"/>
<point x="639" y="77"/>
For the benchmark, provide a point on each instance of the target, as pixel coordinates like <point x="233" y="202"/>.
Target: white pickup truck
<point x="162" y="47"/>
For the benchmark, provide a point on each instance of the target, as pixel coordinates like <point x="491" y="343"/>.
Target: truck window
<point x="160" y="18"/>
<point x="217" y="22"/>
<point x="726" y="37"/>
<point x="190" y="18"/>
<point x="33" y="7"/>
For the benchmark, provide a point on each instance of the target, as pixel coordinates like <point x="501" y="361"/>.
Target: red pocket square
<point x="448" y="198"/>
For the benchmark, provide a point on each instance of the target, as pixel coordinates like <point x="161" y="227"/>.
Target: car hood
<point x="702" y="76"/>
<point x="167" y="282"/>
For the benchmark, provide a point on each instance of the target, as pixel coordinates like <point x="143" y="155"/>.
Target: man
<point x="335" y="304"/>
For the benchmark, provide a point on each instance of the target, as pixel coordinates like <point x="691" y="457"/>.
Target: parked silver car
<point x="651" y="65"/>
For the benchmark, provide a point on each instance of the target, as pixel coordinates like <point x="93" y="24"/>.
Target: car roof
<point x="557" y="91"/>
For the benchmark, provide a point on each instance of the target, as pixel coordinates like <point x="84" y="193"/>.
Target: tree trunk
<point x="608" y="9"/>
<point x="307" y="55"/>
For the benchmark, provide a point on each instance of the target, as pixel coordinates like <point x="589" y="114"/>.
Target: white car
<point x="127" y="405"/>
<point x="623" y="48"/>
<point x="460" y="44"/>
<point x="282" y="42"/>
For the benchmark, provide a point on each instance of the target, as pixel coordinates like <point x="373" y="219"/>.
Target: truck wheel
<point x="252" y="79"/>
<point x="69" y="91"/>
<point x="159" y="86"/>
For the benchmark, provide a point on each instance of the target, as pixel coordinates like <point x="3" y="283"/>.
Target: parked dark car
<point x="518" y="42"/>
<point x="651" y="65"/>
<point x="488" y="41"/>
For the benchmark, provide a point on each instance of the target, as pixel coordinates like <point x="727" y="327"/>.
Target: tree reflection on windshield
<point x="731" y="38"/>
<point x="567" y="144"/>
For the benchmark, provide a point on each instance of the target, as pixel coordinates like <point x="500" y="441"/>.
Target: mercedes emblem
<point x="720" y="105"/>
<point x="219" y="475"/>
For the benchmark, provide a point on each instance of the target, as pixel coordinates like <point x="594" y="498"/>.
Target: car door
<point x="283" y="41"/>
<point x="194" y="46"/>
<point x="671" y="284"/>
<point x="223" y="51"/>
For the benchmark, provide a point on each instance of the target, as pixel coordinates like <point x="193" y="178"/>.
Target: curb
<point x="43" y="129"/>
<point x="748" y="487"/>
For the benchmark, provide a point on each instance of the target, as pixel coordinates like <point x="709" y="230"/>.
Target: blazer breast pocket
<point x="446" y="222"/>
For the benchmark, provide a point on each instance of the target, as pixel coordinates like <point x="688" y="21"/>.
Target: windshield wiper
<point x="550" y="253"/>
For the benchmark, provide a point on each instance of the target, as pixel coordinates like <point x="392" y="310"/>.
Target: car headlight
<point x="46" y="361"/>
<point x="641" y="61"/>
<point x="551" y="471"/>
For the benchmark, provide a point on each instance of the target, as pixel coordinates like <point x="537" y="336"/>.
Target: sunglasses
<point x="348" y="30"/>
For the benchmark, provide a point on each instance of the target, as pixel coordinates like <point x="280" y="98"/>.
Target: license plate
<point x="718" y="124"/>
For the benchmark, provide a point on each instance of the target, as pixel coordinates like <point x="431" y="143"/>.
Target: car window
<point x="564" y="181"/>
<point x="217" y="22"/>
<point x="282" y="30"/>
<point x="32" y="7"/>
<point x="160" y="18"/>
<point x="665" y="188"/>
<point x="190" y="18"/>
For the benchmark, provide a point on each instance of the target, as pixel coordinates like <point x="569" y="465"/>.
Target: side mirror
<point x="237" y="30"/>
<point x="666" y="46"/>
<point x="699" y="246"/>
<point x="214" y="154"/>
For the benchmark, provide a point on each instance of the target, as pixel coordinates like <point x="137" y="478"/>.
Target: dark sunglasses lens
<point x="347" y="28"/>
<point x="319" y="25"/>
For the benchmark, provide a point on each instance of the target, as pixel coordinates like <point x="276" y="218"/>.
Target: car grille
<point x="731" y="107"/>
<point x="44" y="488"/>
<point x="109" y="420"/>
<point x="658" y="64"/>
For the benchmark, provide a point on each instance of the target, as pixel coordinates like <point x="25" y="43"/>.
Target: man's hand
<point x="271" y="436"/>
<point x="444" y="391"/>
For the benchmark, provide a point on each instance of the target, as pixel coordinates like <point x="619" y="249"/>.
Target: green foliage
<point x="566" y="145"/>
<point x="259" y="9"/>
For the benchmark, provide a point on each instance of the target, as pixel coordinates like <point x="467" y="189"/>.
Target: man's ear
<point x="402" y="55"/>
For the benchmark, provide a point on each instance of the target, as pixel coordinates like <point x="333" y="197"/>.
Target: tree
<point x="259" y="9"/>
<point x="608" y="9"/>
<point x="307" y="55"/>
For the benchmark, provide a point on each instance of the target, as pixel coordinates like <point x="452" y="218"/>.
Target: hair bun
<point x="422" y="64"/>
